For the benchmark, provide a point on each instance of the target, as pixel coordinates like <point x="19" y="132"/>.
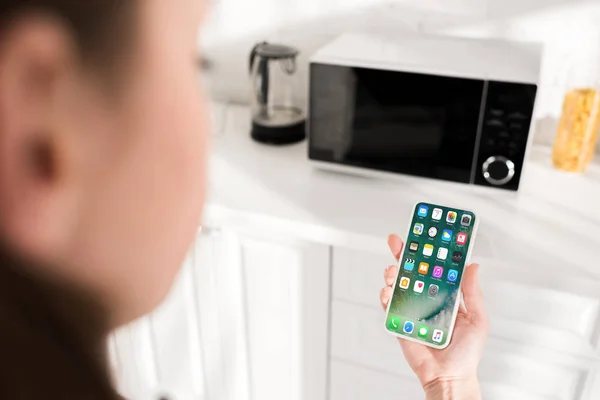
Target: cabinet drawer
<point x="359" y="337"/>
<point x="549" y="311"/>
<point x="350" y="382"/>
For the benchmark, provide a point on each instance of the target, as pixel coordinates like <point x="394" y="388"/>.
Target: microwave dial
<point x="498" y="170"/>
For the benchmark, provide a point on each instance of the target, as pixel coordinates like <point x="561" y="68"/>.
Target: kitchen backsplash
<point x="233" y="26"/>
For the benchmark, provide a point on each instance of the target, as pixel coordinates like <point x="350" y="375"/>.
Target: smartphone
<point x="427" y="291"/>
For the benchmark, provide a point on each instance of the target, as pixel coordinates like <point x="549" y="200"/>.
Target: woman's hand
<point x="450" y="373"/>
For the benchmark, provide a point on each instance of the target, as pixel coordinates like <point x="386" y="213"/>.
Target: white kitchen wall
<point x="568" y="28"/>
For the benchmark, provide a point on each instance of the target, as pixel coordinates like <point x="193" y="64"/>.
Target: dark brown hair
<point x="52" y="336"/>
<point x="102" y="29"/>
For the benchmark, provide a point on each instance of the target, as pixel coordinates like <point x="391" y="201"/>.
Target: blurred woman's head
<point x="102" y="143"/>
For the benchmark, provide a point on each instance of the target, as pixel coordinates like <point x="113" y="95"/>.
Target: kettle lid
<point x="275" y="51"/>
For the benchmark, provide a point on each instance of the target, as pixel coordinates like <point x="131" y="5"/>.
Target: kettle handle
<point x="253" y="54"/>
<point x="261" y="89"/>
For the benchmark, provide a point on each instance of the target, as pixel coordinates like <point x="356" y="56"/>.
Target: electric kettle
<point x="276" y="117"/>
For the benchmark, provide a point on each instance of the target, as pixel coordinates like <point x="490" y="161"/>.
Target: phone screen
<point x="430" y="271"/>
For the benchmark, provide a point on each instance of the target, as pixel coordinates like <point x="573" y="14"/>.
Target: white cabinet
<point x="259" y="317"/>
<point x="542" y="345"/>
<point x="358" y="338"/>
<point x="247" y="319"/>
<point x="286" y="296"/>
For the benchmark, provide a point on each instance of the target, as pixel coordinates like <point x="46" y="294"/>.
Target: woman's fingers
<point x="391" y="272"/>
<point x="385" y="295"/>
<point x="396" y="245"/>
<point x="473" y="297"/>
<point x="390" y="275"/>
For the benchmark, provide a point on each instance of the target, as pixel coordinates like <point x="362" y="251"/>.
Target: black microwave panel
<point x="505" y="133"/>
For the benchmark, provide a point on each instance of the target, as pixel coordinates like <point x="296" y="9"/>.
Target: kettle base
<point x="279" y="135"/>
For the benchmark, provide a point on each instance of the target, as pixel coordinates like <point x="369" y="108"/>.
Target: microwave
<point x="437" y="107"/>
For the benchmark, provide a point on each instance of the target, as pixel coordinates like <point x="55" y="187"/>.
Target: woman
<point x="102" y="181"/>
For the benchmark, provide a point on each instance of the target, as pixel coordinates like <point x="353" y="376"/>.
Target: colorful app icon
<point x="423" y="331"/>
<point x="437" y="336"/>
<point x="409" y="264"/>
<point x="451" y="217"/>
<point x="442" y="253"/>
<point x="409" y="327"/>
<point x="465" y="220"/>
<point x="414" y="246"/>
<point x="418" y="229"/>
<point x="457" y="256"/>
<point x="404" y="282"/>
<point x="433" y="290"/>
<point x="394" y="323"/>
<point x="423" y="268"/>
<point x="447" y="235"/>
<point x="419" y="286"/>
<point x="423" y="211"/>
<point x="432" y="232"/>
<point x="428" y="250"/>
<point x="452" y="275"/>
<point x="437" y="214"/>
<point x="438" y="271"/>
<point x="461" y="238"/>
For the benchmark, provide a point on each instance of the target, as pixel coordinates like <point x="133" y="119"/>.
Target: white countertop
<point x="553" y="221"/>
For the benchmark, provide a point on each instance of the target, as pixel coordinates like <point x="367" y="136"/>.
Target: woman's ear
<point x="36" y="68"/>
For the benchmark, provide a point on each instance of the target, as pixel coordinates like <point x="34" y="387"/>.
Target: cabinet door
<point x="247" y="319"/>
<point x="286" y="299"/>
<point x="190" y="347"/>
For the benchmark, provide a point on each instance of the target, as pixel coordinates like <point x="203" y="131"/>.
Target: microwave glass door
<point x="417" y="124"/>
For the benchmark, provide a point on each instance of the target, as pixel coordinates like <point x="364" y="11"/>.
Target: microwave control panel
<point x="506" y="124"/>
